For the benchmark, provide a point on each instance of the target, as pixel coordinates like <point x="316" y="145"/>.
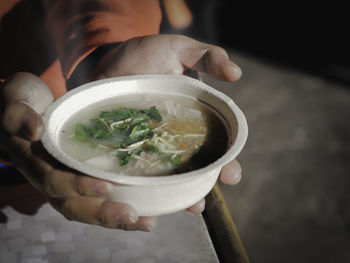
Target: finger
<point x="197" y="208"/>
<point x="90" y="186"/>
<point x="231" y="173"/>
<point x="24" y="96"/>
<point x="96" y="211"/>
<point x="145" y="223"/>
<point x="217" y="64"/>
<point x="206" y="58"/>
<point x="20" y="120"/>
<point x="112" y="215"/>
<point x="58" y="183"/>
<point x="29" y="89"/>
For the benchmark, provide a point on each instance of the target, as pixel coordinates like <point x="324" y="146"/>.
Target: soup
<point x="145" y="135"/>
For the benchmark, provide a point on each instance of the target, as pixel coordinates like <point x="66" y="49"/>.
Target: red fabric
<point x="50" y="37"/>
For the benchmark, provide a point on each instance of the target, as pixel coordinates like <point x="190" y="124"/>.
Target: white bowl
<point x="150" y="196"/>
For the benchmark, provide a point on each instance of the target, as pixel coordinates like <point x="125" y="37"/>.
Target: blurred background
<point x="292" y="204"/>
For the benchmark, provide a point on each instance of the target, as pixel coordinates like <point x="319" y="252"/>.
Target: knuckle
<point x="78" y="185"/>
<point x="67" y="211"/>
<point x="103" y="220"/>
<point x="126" y="227"/>
<point x="107" y="219"/>
<point x="62" y="206"/>
<point x="217" y="49"/>
<point x="48" y="185"/>
<point x="57" y="183"/>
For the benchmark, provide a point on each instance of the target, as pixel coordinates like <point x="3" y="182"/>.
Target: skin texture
<point x="83" y="198"/>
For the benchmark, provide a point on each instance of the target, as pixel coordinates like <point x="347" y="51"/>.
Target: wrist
<point x="86" y="69"/>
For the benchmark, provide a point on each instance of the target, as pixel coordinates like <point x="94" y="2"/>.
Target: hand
<point x="77" y="197"/>
<point x="172" y="54"/>
<point x="80" y="197"/>
<point x="166" y="54"/>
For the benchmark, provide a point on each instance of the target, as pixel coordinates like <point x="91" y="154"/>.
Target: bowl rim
<point x="230" y="154"/>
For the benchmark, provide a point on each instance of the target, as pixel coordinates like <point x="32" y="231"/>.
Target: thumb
<point x="210" y="59"/>
<point x="20" y="120"/>
<point x="25" y="97"/>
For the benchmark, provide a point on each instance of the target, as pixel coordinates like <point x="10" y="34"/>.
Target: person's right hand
<point x="78" y="197"/>
<point x="172" y="54"/>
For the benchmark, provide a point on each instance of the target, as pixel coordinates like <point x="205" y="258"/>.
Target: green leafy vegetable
<point x="139" y="119"/>
<point x="140" y="131"/>
<point x="154" y="114"/>
<point x="176" y="160"/>
<point x="128" y="141"/>
<point x="117" y="115"/>
<point x="149" y="147"/>
<point x="124" y="158"/>
<point x="122" y="114"/>
<point x="98" y="129"/>
<point x="80" y="133"/>
<point x="101" y="134"/>
<point x="124" y="127"/>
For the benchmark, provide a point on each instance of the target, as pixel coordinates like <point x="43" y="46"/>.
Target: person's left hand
<point x="172" y="54"/>
<point x="23" y="98"/>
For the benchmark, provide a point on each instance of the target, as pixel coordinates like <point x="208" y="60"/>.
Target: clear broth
<point x="179" y="113"/>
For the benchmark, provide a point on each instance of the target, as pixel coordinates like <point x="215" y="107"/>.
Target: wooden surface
<point x="222" y="229"/>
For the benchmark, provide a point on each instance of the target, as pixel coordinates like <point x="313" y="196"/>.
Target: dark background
<point x="292" y="204"/>
<point x="309" y="36"/>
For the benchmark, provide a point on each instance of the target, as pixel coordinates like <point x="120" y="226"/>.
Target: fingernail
<point x="234" y="68"/>
<point x="103" y="189"/>
<point x="233" y="72"/>
<point x="236" y="178"/>
<point x="125" y="219"/>
<point x="201" y="206"/>
<point x="147" y="227"/>
<point x="28" y="126"/>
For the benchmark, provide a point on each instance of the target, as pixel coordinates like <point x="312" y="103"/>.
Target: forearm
<point x="78" y="27"/>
